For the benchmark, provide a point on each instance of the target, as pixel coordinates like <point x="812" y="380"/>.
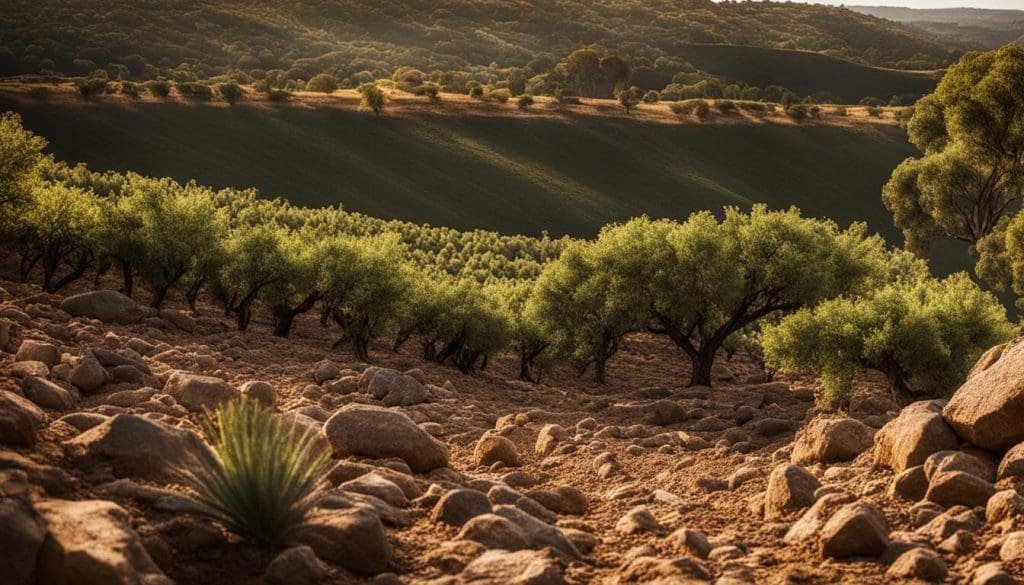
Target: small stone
<point x="951" y="488"/>
<point x="548" y="438"/>
<point x="833" y="440"/>
<point x="295" y="566"/>
<point x="38" y="351"/>
<point x="47" y="394"/>
<point x="493" y="448"/>
<point x="493" y="531"/>
<point x="197" y="393"/>
<point x="638" y="520"/>
<point x="918" y="563"/>
<point x="20" y="419"/>
<point x="790" y="489"/>
<point x="1013" y="547"/>
<point x="460" y="506"/>
<point x="685" y="540"/>
<point x="910" y="484"/>
<point x="261" y="392"/>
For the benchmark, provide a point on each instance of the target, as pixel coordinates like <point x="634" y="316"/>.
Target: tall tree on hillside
<point x="971" y="133"/>
<point x="20" y="156"/>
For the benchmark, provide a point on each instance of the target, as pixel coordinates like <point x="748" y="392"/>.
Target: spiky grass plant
<point x="262" y="473"/>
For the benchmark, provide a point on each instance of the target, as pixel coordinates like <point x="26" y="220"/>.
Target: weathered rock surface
<point x="831" y="440"/>
<point x="790" y="489"/>
<point x="460" y="506"/>
<point x="106" y="305"/>
<point x="493" y="531"/>
<point x="197" y="393"/>
<point x="38" y="351"/>
<point x="916" y="433"/>
<point x="524" y="567"/>
<point x="21" y="531"/>
<point x="492" y="448"/>
<point x="354" y="539"/>
<point x="91" y="542"/>
<point x="20" y="419"/>
<point x="986" y="411"/>
<point x="138" y="446"/>
<point x="47" y="394"/>
<point x="855" y="530"/>
<point x="378" y="433"/>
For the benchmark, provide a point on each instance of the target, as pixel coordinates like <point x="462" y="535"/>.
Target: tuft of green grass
<point x="263" y="473"/>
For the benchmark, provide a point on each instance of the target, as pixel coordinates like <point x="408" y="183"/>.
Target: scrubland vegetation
<point x="704" y="283"/>
<point x="692" y="48"/>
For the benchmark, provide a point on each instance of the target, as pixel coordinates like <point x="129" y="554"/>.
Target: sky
<point x="1005" y="4"/>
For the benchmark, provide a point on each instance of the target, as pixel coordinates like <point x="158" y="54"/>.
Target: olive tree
<point x="161" y="230"/>
<point x="524" y="333"/>
<point x="297" y="290"/>
<point x="363" y="282"/>
<point x="584" y="307"/>
<point x="704" y="280"/>
<point x="256" y="258"/>
<point x="923" y="334"/>
<point x="970" y="131"/>
<point x="58" y="228"/>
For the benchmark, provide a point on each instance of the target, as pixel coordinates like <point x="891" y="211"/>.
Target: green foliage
<point x="194" y="90"/>
<point x="57" y="229"/>
<point x="584" y="307"/>
<point x="21" y="153"/>
<point x="971" y="134"/>
<point x="875" y="111"/>
<point x="373" y="98"/>
<point x="231" y="92"/>
<point x="161" y="231"/>
<point x="725" y="106"/>
<point x="130" y="89"/>
<point x="652" y="97"/>
<point x="257" y="257"/>
<point x="323" y="83"/>
<point x="923" y="334"/>
<point x="500" y="95"/>
<point x="629" y="98"/>
<point x="364" y="283"/>
<point x="159" y="87"/>
<point x="279" y="95"/>
<point x="262" y="475"/>
<point x="697" y="107"/>
<point x="524" y="101"/>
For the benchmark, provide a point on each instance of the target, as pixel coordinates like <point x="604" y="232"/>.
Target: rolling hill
<point x="805" y="72"/>
<point x="978" y="28"/>
<point x="508" y="173"/>
<point x="345" y="37"/>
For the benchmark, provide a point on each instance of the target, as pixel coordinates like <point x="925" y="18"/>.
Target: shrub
<point x="871" y="101"/>
<point x="231" y="92"/>
<point x="797" y="111"/>
<point x="279" y="95"/>
<point x="500" y="95"/>
<point x="752" y="106"/>
<point x="194" y="90"/>
<point x="875" y="111"/>
<point x="725" y="105"/>
<point x="475" y="90"/>
<point x="262" y="474"/>
<point x="373" y="98"/>
<point x="840" y="111"/>
<point x="524" y="101"/>
<point x="652" y="97"/>
<point x="91" y="86"/>
<point x="323" y="83"/>
<point x="923" y="335"/>
<point x="628" y="98"/>
<point x="429" y="89"/>
<point x="698" y="107"/>
<point x="159" y="87"/>
<point x="130" y="89"/>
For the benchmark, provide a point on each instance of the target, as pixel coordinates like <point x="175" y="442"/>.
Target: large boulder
<point x="855" y="530"/>
<point x="790" y="489"/>
<point x="379" y="433"/>
<point x="986" y="411"/>
<point x="20" y="419"/>
<point x="196" y="392"/>
<point x="136" y="446"/>
<point x="91" y="542"/>
<point x="831" y="440"/>
<point x="108" y="306"/>
<point x="908" y="440"/>
<point x="353" y="538"/>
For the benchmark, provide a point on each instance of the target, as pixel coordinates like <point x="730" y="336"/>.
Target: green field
<point x="806" y="73"/>
<point x="506" y="173"/>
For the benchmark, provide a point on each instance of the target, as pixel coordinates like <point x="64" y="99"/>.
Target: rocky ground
<point x="448" y="478"/>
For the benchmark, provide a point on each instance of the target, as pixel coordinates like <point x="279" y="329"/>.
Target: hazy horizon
<point x="992" y="4"/>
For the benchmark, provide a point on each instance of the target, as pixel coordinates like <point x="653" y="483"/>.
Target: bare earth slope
<point x="642" y="456"/>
